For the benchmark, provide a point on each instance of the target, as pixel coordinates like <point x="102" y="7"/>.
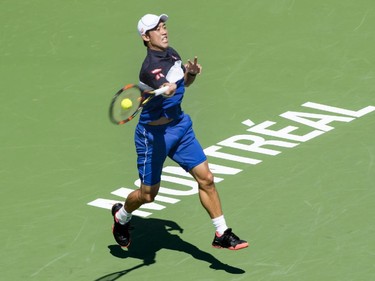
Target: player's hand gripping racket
<point x="129" y="101"/>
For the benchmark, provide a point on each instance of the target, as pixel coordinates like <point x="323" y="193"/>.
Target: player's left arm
<point x="192" y="69"/>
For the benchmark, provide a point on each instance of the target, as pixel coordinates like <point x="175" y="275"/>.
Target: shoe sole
<point x="238" y="247"/>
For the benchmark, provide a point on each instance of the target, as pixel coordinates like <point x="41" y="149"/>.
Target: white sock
<point x="220" y="224"/>
<point x="123" y="216"/>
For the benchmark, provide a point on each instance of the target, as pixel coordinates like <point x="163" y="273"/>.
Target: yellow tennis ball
<point x="126" y="103"/>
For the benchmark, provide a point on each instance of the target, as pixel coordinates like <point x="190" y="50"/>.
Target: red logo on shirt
<point x="157" y="73"/>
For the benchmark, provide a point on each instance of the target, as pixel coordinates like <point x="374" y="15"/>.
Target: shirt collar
<point x="160" y="54"/>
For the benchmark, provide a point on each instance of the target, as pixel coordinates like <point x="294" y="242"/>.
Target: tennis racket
<point x="130" y="100"/>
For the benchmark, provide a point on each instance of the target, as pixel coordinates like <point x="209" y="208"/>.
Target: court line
<point x="48" y="264"/>
<point x="362" y="21"/>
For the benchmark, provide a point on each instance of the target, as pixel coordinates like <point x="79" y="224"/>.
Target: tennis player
<point x="165" y="130"/>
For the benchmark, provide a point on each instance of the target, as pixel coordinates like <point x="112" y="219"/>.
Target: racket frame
<point x="144" y="97"/>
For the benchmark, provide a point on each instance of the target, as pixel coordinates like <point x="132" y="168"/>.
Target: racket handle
<point x="161" y="90"/>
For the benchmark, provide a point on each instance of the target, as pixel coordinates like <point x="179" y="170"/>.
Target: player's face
<point x="158" y="37"/>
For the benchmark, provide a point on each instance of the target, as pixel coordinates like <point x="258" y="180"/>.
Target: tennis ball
<point x="126" y="103"/>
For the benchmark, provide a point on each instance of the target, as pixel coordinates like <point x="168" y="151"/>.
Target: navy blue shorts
<point x="175" y="140"/>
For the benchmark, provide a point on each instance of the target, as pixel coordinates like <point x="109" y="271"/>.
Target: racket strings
<point x="133" y="99"/>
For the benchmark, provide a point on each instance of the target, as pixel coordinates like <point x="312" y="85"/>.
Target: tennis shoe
<point x="229" y="241"/>
<point x="120" y="231"/>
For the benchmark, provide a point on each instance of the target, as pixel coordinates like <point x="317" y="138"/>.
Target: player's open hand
<point x="194" y="67"/>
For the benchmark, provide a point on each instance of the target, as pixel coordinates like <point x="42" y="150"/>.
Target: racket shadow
<point x="152" y="235"/>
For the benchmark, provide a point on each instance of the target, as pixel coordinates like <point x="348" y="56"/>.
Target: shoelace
<point x="231" y="238"/>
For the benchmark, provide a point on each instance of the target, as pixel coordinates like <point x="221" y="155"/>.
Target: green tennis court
<point x="285" y="109"/>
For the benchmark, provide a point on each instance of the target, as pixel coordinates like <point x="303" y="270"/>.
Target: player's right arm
<point x="171" y="91"/>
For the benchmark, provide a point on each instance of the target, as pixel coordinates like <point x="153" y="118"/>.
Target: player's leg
<point x="123" y="214"/>
<point x="151" y="154"/>
<point x="150" y="162"/>
<point x="145" y="194"/>
<point x="190" y="155"/>
<point x="208" y="194"/>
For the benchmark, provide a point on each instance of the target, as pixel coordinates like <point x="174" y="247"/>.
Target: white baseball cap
<point x="149" y="21"/>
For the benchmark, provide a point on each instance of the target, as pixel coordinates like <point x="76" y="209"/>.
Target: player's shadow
<point x="151" y="235"/>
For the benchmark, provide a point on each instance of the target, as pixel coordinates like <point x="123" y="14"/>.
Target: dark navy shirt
<point x="161" y="67"/>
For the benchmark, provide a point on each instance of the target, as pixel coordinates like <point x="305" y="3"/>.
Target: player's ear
<point x="146" y="37"/>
